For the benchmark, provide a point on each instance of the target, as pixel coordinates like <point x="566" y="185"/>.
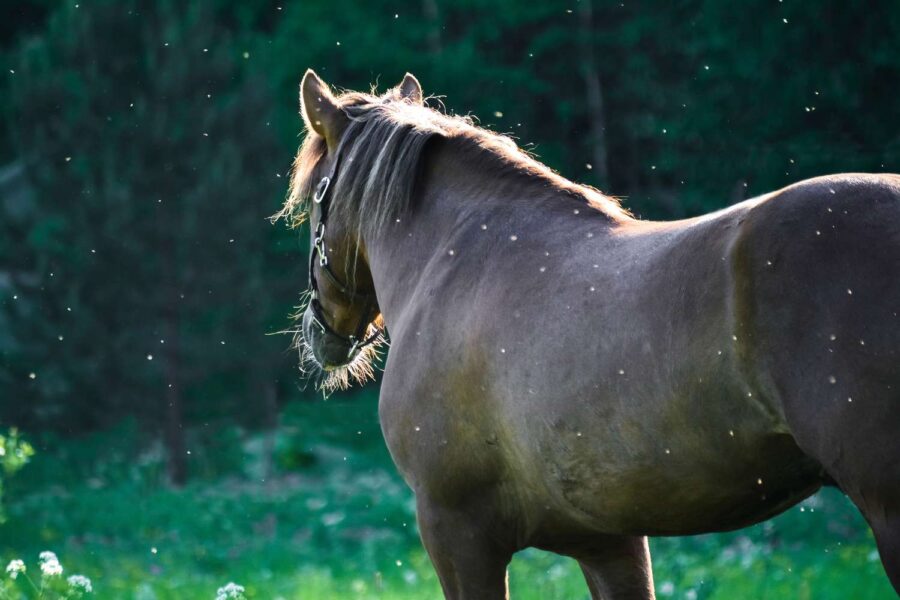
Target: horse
<point x="562" y="375"/>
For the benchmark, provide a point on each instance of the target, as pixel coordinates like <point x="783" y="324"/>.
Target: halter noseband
<point x="357" y="340"/>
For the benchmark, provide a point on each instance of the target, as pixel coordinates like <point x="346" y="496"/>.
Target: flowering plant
<point x="50" y="586"/>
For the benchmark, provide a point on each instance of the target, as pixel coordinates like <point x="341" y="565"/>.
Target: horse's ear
<point x="320" y="110"/>
<point x="411" y="89"/>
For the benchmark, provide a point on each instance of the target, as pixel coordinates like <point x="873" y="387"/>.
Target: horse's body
<point x="564" y="376"/>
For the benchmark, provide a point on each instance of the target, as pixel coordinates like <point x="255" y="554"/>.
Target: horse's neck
<point x="458" y="200"/>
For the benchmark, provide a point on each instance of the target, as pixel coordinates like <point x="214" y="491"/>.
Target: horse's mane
<point x="382" y="153"/>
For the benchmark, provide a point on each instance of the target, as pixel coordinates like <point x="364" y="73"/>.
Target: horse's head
<point x="339" y="326"/>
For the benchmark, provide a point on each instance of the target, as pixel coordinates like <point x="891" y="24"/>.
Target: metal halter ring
<point x="321" y="190"/>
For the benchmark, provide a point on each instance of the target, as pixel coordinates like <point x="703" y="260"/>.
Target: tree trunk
<point x="176" y="446"/>
<point x="594" y="93"/>
<point x="270" y="406"/>
<point x="430" y="8"/>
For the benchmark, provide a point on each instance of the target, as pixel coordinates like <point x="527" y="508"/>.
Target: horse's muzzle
<point x="328" y="350"/>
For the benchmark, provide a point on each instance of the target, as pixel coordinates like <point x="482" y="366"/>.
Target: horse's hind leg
<point x="853" y="431"/>
<point x="887" y="536"/>
<point x="619" y="569"/>
<point x="470" y="564"/>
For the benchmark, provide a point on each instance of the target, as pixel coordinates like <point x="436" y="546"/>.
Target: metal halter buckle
<point x="321" y="190"/>
<point x="319" y="243"/>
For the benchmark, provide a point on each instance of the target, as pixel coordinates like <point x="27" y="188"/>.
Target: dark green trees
<point x="140" y="271"/>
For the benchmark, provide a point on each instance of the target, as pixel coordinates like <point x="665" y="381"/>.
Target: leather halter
<point x="357" y="339"/>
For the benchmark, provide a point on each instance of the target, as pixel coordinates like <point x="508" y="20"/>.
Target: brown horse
<point x="564" y="376"/>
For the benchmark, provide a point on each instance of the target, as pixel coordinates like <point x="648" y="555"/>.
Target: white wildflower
<point x="50" y="566"/>
<point x="80" y="584"/>
<point x="14" y="568"/>
<point x="231" y="591"/>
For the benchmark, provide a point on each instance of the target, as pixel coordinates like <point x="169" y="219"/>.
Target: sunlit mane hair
<point x="381" y="154"/>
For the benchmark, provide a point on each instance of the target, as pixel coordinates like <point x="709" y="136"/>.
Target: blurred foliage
<point x="14" y="454"/>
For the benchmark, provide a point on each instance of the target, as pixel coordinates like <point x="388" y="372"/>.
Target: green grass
<point x="335" y="521"/>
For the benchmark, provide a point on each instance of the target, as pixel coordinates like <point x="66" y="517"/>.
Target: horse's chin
<point x="357" y="368"/>
<point x="331" y="367"/>
<point x="328" y="361"/>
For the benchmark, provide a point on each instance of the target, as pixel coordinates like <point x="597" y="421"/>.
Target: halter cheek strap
<point x="357" y="340"/>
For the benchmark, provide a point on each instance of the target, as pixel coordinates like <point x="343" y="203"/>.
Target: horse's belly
<point x="684" y="489"/>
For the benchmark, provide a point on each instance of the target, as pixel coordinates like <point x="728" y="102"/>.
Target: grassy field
<point x="318" y="512"/>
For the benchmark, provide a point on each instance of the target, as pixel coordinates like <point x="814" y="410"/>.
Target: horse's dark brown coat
<point x="564" y="376"/>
